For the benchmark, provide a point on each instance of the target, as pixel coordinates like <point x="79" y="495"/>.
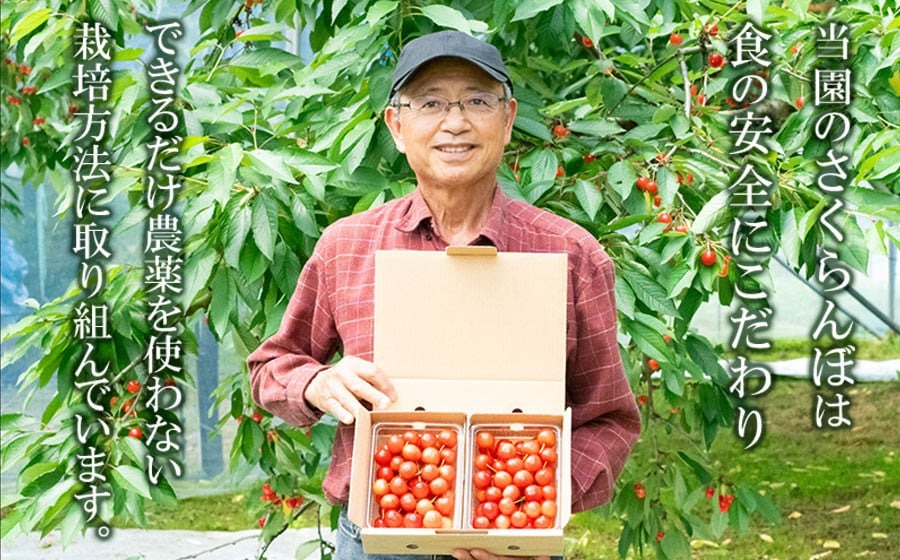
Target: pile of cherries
<point x="414" y="476"/>
<point x="514" y="482"/>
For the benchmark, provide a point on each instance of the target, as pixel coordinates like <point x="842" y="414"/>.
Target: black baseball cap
<point x="448" y="43"/>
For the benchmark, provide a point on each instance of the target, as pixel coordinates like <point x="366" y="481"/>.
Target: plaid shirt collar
<point x="491" y="232"/>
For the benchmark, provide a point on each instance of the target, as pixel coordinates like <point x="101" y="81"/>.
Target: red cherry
<point x="133" y="386"/>
<point x="708" y="258"/>
<point x="640" y="491"/>
<point x="657" y="201"/>
<point x="642" y="183"/>
<point x="560" y="131"/>
<point x="676" y="39"/>
<point x="681" y="228"/>
<point x="659" y="536"/>
<point x="693" y="90"/>
<point x="716" y="60"/>
<point x="589" y="158"/>
<point x="795" y="48"/>
<point x="586" y="41"/>
<point x="560" y="172"/>
<point x="713" y="30"/>
<point x="257" y="416"/>
<point x="664" y="218"/>
<point x="710" y="492"/>
<point x="701" y="99"/>
<point x="136" y="433"/>
<point x="262" y="522"/>
<point x="667" y="338"/>
<point x="26" y="141"/>
<point x="652" y="187"/>
<point x="799" y="102"/>
<point x="642" y="400"/>
<point x="653" y="364"/>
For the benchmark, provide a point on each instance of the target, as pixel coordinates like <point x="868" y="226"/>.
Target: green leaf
<point x="265" y="224"/>
<point x="132" y="478"/>
<point x="306" y="549"/>
<point x="543" y="166"/>
<point x="378" y="10"/>
<point x="532" y="127"/>
<point x="266" y="60"/>
<point x="271" y="164"/>
<point x="445" y="16"/>
<point x="197" y="269"/>
<point x="675" y="545"/>
<point x="527" y="9"/>
<point x="650" y="292"/>
<point x="621" y="178"/>
<point x="265" y="32"/>
<point x="28" y="24"/>
<point x="710" y="212"/>
<point x="589" y="197"/>
<point x="235" y="232"/>
<point x="106" y="12"/>
<point x="599" y="128"/>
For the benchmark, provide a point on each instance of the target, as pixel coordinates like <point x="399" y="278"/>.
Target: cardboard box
<point x="468" y="337"/>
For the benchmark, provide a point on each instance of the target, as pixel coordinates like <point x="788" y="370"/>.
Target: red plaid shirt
<point x="332" y="307"/>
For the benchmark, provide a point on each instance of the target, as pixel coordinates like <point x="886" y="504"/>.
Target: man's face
<point x="456" y="148"/>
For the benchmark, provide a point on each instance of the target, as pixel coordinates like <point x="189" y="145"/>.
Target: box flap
<point x="477" y="322"/>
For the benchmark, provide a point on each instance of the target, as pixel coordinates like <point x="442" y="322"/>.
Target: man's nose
<point x="455" y="116"/>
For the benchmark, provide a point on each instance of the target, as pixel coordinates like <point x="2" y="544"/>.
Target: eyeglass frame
<point x="459" y="103"/>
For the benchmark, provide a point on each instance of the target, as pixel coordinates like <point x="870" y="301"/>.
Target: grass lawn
<point x="833" y="487"/>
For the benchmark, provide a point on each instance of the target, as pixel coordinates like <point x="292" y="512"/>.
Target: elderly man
<point x="451" y="113"/>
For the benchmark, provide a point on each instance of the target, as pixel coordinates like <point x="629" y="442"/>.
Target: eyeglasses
<point x="476" y="104"/>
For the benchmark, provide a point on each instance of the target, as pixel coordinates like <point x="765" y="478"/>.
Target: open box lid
<point x="462" y="330"/>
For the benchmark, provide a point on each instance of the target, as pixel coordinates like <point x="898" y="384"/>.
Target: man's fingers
<point x="377" y="379"/>
<point x="339" y="410"/>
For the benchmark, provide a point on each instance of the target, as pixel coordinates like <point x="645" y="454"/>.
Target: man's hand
<point x="340" y="388"/>
<point x="478" y="554"/>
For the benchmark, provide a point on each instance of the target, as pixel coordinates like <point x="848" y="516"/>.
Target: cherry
<point x="136" y="433"/>
<point x="560" y="172"/>
<point x="708" y="258"/>
<point x="652" y="187"/>
<point x="586" y="41"/>
<point x="799" y="102"/>
<point x="560" y="131"/>
<point x="133" y="386"/>
<point x="653" y="364"/>
<point x="26" y="142"/>
<point x="659" y="536"/>
<point x="642" y="400"/>
<point x="713" y="30"/>
<point x="701" y="99"/>
<point x="642" y="183"/>
<point x="664" y="218"/>
<point x="657" y="201"/>
<point x="710" y="492"/>
<point x="257" y="416"/>
<point x="676" y="39"/>
<point x="589" y="158"/>
<point x="716" y="60"/>
<point x="262" y="522"/>
<point x="693" y="90"/>
<point x="640" y="491"/>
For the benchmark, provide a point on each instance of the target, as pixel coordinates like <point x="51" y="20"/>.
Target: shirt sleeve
<point x="282" y="366"/>
<point x="605" y="418"/>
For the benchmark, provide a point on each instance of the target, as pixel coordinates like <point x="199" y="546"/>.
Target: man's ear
<point x="511" y="108"/>
<point x="392" y="120"/>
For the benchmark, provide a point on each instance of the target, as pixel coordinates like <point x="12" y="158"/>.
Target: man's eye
<point x="477" y="102"/>
<point x="431" y="104"/>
